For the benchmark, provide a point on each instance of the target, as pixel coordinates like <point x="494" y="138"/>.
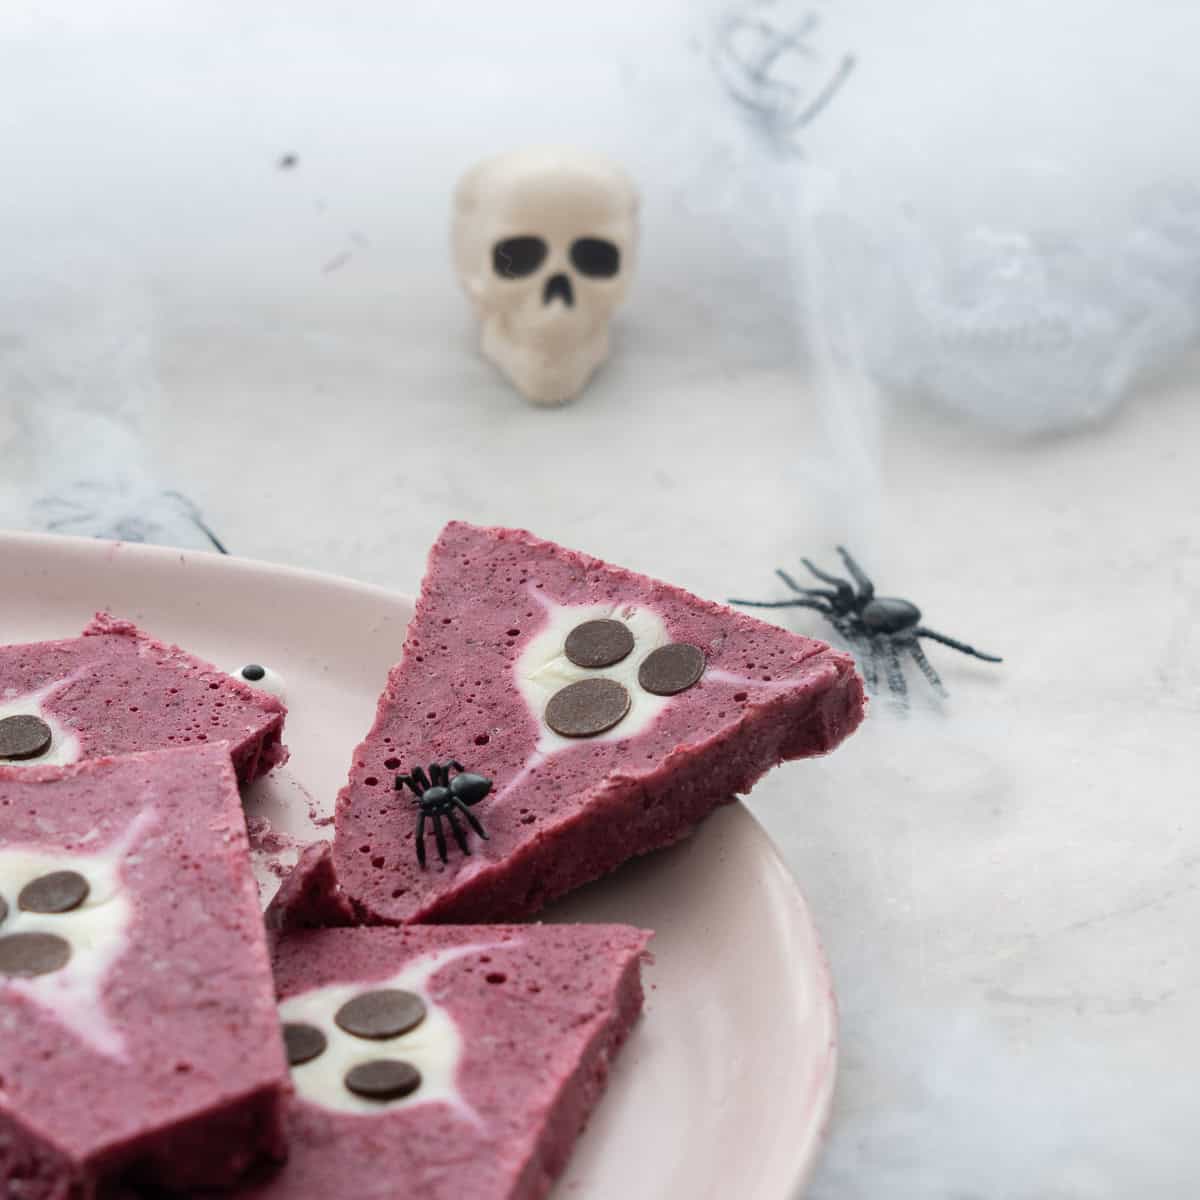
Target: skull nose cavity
<point x="559" y="287"/>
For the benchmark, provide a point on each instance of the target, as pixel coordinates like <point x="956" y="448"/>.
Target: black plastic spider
<point x="881" y="626"/>
<point x="766" y="63"/>
<point x="438" y="795"/>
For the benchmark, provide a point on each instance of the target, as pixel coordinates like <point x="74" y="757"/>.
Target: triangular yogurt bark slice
<point x="117" y="690"/>
<point x="138" y="1030"/>
<point x="610" y="711"/>
<point x="446" y="1063"/>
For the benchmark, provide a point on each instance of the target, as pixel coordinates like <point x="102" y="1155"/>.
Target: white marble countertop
<point x="1007" y="885"/>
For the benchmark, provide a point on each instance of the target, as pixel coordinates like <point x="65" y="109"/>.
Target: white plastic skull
<point x="544" y="244"/>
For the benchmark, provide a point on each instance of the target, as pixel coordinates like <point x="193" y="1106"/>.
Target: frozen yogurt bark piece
<point x="116" y="690"/>
<point x="447" y="1063"/>
<point x="610" y="712"/>
<point x="138" y="1033"/>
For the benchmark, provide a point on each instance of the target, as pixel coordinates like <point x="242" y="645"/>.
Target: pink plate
<point x="725" y="1085"/>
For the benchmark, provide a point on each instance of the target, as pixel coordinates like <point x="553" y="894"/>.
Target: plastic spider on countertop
<point x="877" y="628"/>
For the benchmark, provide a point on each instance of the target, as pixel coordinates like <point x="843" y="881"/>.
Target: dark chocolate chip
<point x="253" y="672"/>
<point x="58" y="892"/>
<point x="29" y="954"/>
<point x="599" y="643"/>
<point x="383" y="1079"/>
<point x="3" y="909"/>
<point x="671" y="669"/>
<point x="23" y="736"/>
<point x="588" y="707"/>
<point x="302" y="1042"/>
<point x="386" y="1013"/>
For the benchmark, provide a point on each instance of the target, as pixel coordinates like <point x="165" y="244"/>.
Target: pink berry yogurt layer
<point x="507" y="1035"/>
<point x="116" y="690"/>
<point x="140" y="1033"/>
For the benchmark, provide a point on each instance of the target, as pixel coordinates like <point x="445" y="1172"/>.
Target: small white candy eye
<point x="263" y="678"/>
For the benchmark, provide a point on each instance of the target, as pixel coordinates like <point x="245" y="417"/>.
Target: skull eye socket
<point x="595" y="257"/>
<point x="516" y="257"/>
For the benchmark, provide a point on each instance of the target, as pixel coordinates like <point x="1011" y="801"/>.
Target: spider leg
<point x="826" y="94"/>
<point x="819" y="605"/>
<point x="472" y="819"/>
<point x="804" y="591"/>
<point x="962" y="647"/>
<point x="843" y="599"/>
<point x="866" y="589"/>
<point x="824" y="576"/>
<point x="935" y="680"/>
<point x="435" y="775"/>
<point x="870" y="666"/>
<point x="421" y="838"/>
<point x="868" y="660"/>
<point x="418" y="776"/>
<point x="863" y="649"/>
<point x="459" y="836"/>
<point x="440" y="834"/>
<point x="452" y="763"/>
<point x="897" y="684"/>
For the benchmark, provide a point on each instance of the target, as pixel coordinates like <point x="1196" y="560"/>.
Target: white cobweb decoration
<point x="79" y="393"/>
<point x="1035" y="332"/>
<point x="1014" y="291"/>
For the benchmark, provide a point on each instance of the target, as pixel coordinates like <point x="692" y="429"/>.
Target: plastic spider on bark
<point x="877" y="628"/>
<point x="438" y="795"/>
